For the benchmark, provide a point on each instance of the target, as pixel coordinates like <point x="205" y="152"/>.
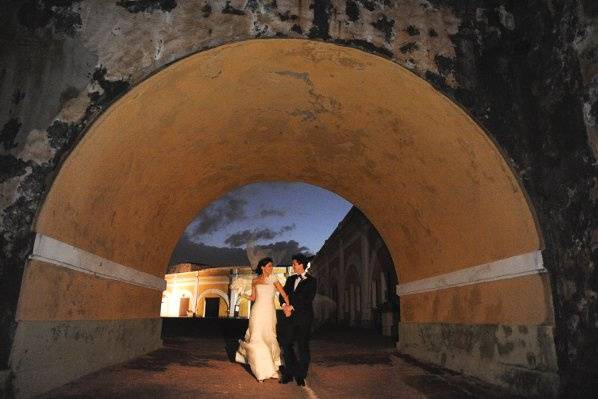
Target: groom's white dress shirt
<point x="301" y="277"/>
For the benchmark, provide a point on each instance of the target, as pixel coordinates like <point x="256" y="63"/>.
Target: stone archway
<point x="207" y="294"/>
<point x="455" y="219"/>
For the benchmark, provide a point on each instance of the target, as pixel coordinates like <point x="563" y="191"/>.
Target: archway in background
<point x="212" y="293"/>
<point x="457" y="224"/>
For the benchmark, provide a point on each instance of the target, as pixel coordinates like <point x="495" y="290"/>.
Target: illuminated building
<point x="210" y="292"/>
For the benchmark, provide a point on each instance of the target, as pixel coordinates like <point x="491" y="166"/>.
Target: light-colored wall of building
<point x="210" y="283"/>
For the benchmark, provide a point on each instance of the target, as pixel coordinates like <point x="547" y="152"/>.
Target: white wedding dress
<point x="260" y="348"/>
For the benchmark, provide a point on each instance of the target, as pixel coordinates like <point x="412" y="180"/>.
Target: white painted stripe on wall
<point x="50" y="250"/>
<point x="516" y="266"/>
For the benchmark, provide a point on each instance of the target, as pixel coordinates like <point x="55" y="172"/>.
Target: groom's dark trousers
<point x="296" y="329"/>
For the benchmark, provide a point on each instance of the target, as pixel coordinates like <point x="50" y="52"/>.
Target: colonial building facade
<point x="356" y="272"/>
<point x="356" y="283"/>
<point x="201" y="291"/>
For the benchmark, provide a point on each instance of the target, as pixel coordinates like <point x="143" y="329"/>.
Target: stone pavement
<point x="345" y="364"/>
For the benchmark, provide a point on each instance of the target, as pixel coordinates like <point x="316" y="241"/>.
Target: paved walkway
<point x="345" y="364"/>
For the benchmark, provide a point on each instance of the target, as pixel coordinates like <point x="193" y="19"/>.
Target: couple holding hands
<point x="260" y="348"/>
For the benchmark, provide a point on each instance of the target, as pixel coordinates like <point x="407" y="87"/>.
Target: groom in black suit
<point x="296" y="326"/>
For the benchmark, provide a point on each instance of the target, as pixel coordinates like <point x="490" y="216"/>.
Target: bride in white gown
<point x="260" y="348"/>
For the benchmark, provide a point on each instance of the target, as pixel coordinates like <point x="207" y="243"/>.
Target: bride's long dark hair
<point x="260" y="265"/>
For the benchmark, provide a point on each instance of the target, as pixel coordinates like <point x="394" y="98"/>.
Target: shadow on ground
<point x="230" y="331"/>
<point x="197" y="361"/>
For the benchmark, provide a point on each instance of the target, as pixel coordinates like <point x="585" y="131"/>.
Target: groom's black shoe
<point x="300" y="381"/>
<point x="285" y="379"/>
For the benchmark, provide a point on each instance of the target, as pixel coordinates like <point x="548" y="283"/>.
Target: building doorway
<point x="212" y="306"/>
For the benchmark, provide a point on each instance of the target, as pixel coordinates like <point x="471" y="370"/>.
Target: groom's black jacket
<point x="301" y="299"/>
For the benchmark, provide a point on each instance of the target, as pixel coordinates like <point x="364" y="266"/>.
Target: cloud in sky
<point x="281" y="252"/>
<point x="241" y="238"/>
<point x="187" y="251"/>
<point x="291" y="247"/>
<point x="270" y="213"/>
<point x="231" y="208"/>
<point x="228" y="210"/>
<point x="256" y="215"/>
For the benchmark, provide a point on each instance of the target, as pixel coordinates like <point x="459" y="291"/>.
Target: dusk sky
<point x="288" y="217"/>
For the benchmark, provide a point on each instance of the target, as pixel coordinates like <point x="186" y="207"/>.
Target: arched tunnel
<point x="430" y="179"/>
<point x="466" y="235"/>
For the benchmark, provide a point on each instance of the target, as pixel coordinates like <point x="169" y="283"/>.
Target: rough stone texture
<point x="81" y="347"/>
<point x="526" y="87"/>
<point x="490" y="352"/>
<point x="526" y="70"/>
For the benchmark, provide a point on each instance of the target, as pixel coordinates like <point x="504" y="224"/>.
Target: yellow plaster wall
<point x="223" y="309"/>
<point x="216" y="286"/>
<point x="426" y="175"/>
<point x="522" y="300"/>
<point x="55" y="293"/>
<point x="430" y="180"/>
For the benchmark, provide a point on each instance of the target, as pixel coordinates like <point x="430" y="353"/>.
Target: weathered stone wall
<point x="526" y="70"/>
<point x="104" y="342"/>
<point x="488" y="351"/>
<point x="528" y="73"/>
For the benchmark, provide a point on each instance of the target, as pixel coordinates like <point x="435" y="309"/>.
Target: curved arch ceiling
<point x="435" y="186"/>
